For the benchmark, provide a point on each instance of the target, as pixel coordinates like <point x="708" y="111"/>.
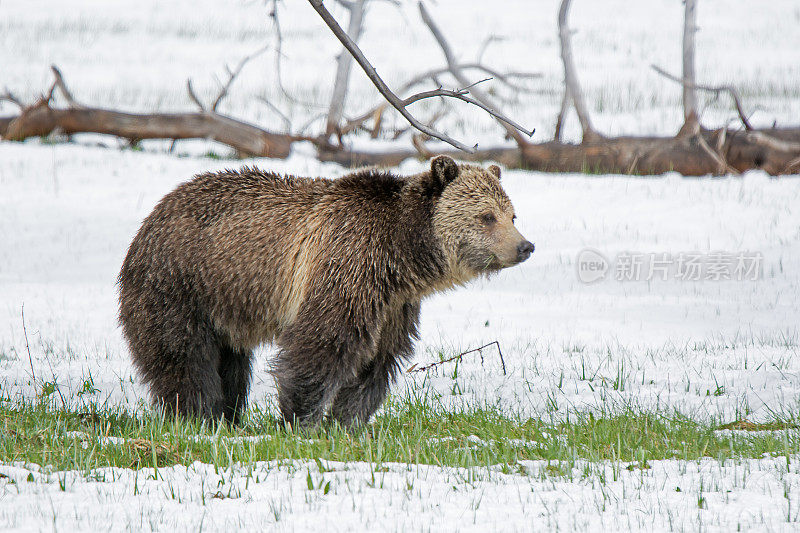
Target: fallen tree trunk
<point x="739" y="151"/>
<point x="40" y="120"/>
<point x="776" y="151"/>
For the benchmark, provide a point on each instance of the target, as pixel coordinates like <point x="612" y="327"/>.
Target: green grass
<point x="409" y="430"/>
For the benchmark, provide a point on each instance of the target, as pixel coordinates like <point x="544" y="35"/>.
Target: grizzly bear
<point x="330" y="271"/>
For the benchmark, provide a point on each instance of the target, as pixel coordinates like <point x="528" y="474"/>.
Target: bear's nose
<point x="524" y="250"/>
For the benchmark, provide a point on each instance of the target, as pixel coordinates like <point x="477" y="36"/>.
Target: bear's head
<point x="473" y="219"/>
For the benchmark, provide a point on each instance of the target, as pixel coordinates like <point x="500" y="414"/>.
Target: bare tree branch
<point x="62" y="86"/>
<point x="392" y="98"/>
<point x="734" y="94"/>
<point x="343" y="66"/>
<point x="689" y="31"/>
<point x="286" y="122"/>
<point x="485" y="44"/>
<point x="224" y="87"/>
<point x="356" y="122"/>
<point x="232" y="74"/>
<point x="273" y="14"/>
<point x="425" y="368"/>
<point x="193" y="95"/>
<point x="719" y="159"/>
<point x="562" y="112"/>
<point x="504" y="77"/>
<point x="461" y="94"/>
<point x="8" y="96"/>
<point x="480" y="98"/>
<point x="572" y="88"/>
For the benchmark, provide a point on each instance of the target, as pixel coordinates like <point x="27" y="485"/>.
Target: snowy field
<point x="706" y="495"/>
<point x="713" y="350"/>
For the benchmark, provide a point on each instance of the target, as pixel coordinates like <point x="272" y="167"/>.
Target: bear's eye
<point x="513" y="218"/>
<point x="488" y="218"/>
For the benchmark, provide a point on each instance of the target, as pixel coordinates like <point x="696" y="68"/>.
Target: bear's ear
<point x="494" y="169"/>
<point x="443" y="171"/>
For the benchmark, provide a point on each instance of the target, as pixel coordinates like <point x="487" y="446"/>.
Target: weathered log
<point x="40" y="120"/>
<point x="740" y="150"/>
<point x="777" y="151"/>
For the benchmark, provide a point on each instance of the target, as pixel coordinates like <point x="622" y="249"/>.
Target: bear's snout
<point x="524" y="250"/>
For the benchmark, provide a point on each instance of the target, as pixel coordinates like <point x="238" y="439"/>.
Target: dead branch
<point x="344" y="63"/>
<point x="485" y="44"/>
<point x="287" y="124"/>
<point x="41" y="119"/>
<point x="232" y="74"/>
<point x="38" y="121"/>
<point x="193" y="95"/>
<point x="461" y="94"/>
<point x="734" y="94"/>
<point x="689" y="32"/>
<point x="479" y="97"/>
<point x="572" y="89"/>
<point x="273" y="14"/>
<point x="425" y="368"/>
<point x="376" y="80"/>
<point x="58" y="81"/>
<point x="8" y="96"/>
<point x="718" y="158"/>
<point x="224" y="87"/>
<point x="504" y="77"/>
<point x="562" y="112"/>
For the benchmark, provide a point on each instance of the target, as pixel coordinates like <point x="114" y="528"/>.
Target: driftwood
<point x="775" y="151"/>
<point x="41" y="120"/>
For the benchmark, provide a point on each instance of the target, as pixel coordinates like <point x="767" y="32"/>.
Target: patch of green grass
<point x="410" y="430"/>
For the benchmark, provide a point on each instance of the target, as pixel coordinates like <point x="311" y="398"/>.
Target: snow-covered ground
<point x="714" y="350"/>
<point x="711" y="349"/>
<point x="747" y="495"/>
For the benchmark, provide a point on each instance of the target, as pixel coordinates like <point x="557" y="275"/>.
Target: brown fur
<point x="331" y="271"/>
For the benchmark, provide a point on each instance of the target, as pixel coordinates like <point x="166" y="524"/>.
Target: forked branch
<point x="424" y="368"/>
<point x="395" y="101"/>
<point x="734" y="94"/>
<point x="480" y="98"/>
<point x="572" y="89"/>
<point x="224" y="87"/>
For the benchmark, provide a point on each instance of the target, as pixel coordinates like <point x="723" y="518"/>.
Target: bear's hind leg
<point x="235" y="368"/>
<point x="188" y="386"/>
<point x="182" y="369"/>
